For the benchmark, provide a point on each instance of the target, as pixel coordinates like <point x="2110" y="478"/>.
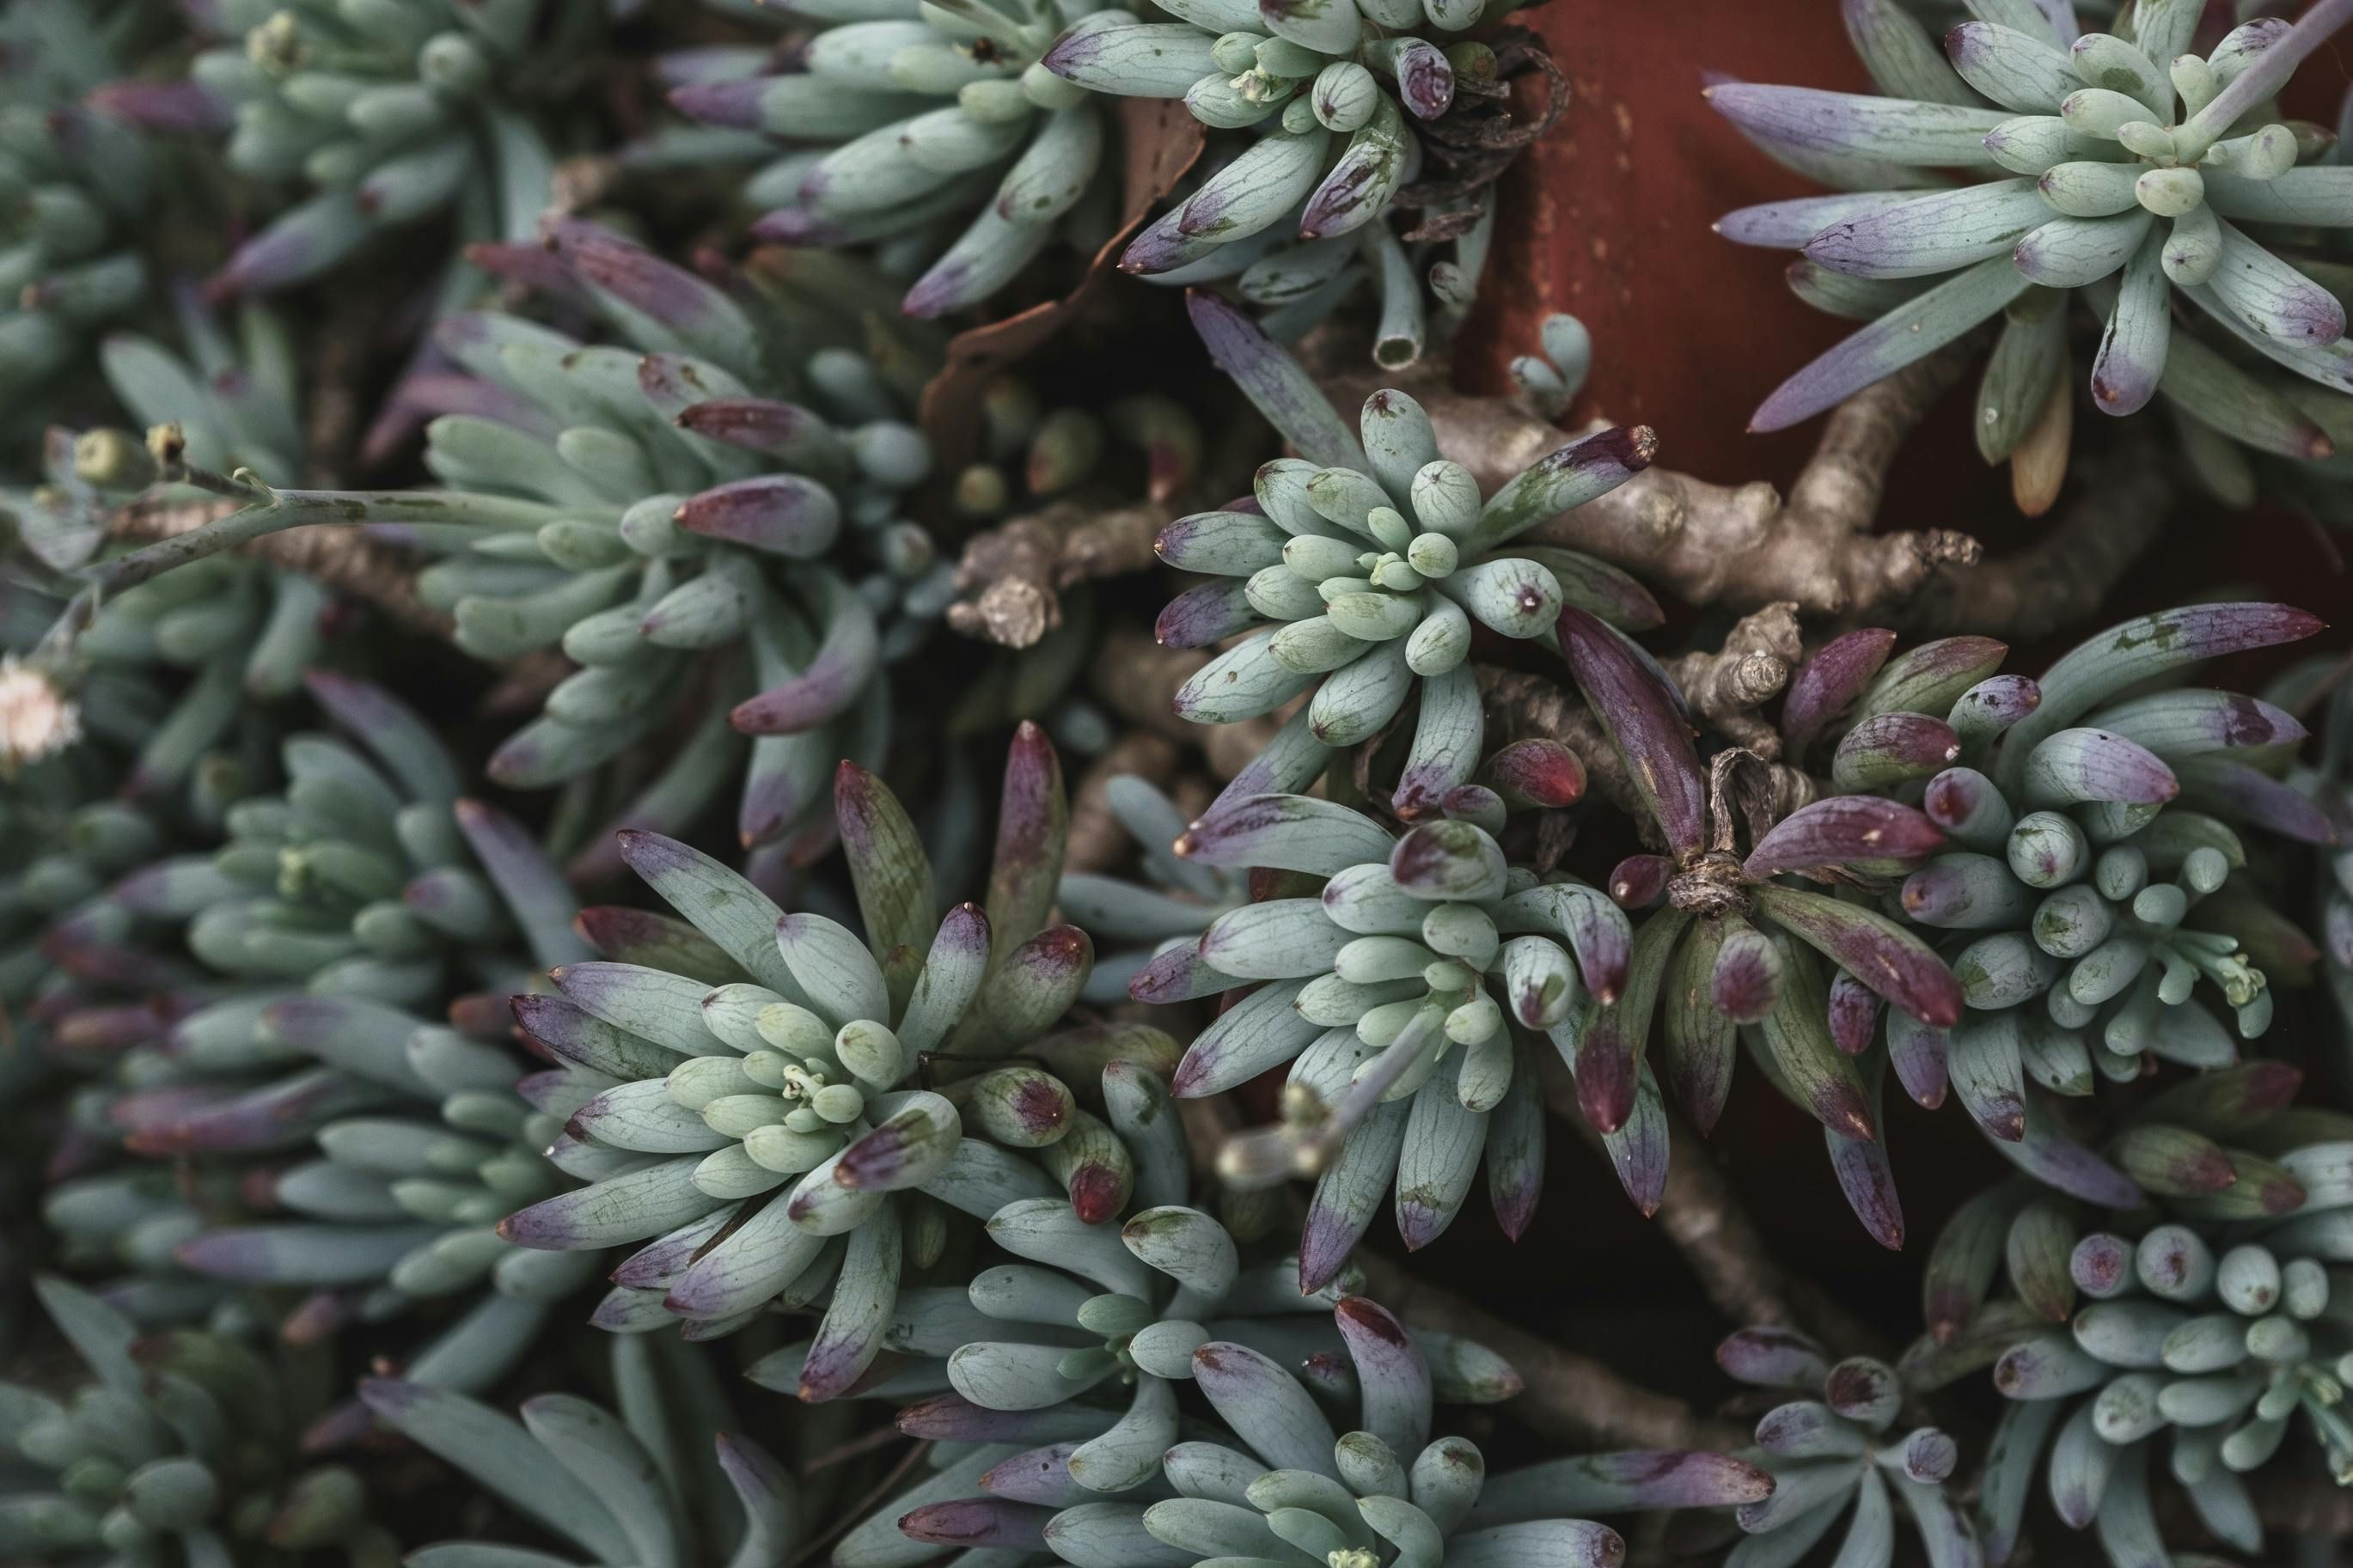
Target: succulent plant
<point x="2125" y="168"/>
<point x="1040" y="1342"/>
<point x="1366" y="605"/>
<point x="1552" y="378"/>
<point x="2094" y="893"/>
<point x="657" y="1481"/>
<point x="771" y="1085"/>
<point x="390" y="114"/>
<point x="621" y="503"/>
<point x="1270" y="1481"/>
<point x="333" y="915"/>
<point x="937" y="140"/>
<point x="1732" y="951"/>
<point x="1834" y="1449"/>
<point x="181" y="1449"/>
<point x="74" y="187"/>
<point x="1393" y="995"/>
<point x="1987" y="1011"/>
<point x="1350" y="121"/>
<point x="2207" y="1323"/>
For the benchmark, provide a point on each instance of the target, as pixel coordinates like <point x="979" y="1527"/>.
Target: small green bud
<point x="1432" y="554"/>
<point x="109" y="459"/>
<point x="2169" y="193"/>
<point x="453" y="66"/>
<point x="1235" y="52"/>
<point x="2144" y="140"/>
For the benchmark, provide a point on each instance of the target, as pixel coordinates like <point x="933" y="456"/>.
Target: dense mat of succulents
<point x="721" y="851"/>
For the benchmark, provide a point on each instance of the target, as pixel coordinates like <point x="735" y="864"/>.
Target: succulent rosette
<point x="391" y="115"/>
<point x="1835" y="1452"/>
<point x="938" y="141"/>
<point x="1355" y="112"/>
<point x="2092" y="888"/>
<point x="658" y="1479"/>
<point x="1271" y="1480"/>
<point x="180" y="1450"/>
<point x="1733" y="953"/>
<point x="2122" y="166"/>
<point x="2194" y="1338"/>
<point x="296" y="966"/>
<point x="785" y="1104"/>
<point x="1392" y="991"/>
<point x="1356" y="573"/>
<point x="1087" y="1342"/>
<point x="643" y="508"/>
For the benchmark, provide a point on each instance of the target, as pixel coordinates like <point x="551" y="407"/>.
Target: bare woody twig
<point x="1018" y="568"/>
<point x="1727" y="686"/>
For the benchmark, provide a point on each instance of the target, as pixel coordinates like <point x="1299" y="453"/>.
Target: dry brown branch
<point x="1018" y="568"/>
<point x="2310" y="1504"/>
<point x="1725" y="688"/>
<point x="1744" y="546"/>
<point x="337" y="557"/>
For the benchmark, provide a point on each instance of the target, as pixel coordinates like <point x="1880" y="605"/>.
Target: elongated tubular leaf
<point x="1936" y="233"/>
<point x="496" y="1451"/>
<point x="1390" y="1372"/>
<point x="1912" y="331"/>
<point x="1645" y="721"/>
<point x="891" y="874"/>
<point x="718" y="903"/>
<point x="1894" y="131"/>
<point x="609" y="1461"/>
<point x="1031" y="823"/>
<point x="1842" y="830"/>
<point x="2140" y="650"/>
<point x="1789" y="225"/>
<point x="1275" y="383"/>
<point x="1828" y="683"/>
<point x="850" y="1335"/>
<point x="392" y="731"/>
<point x="1874" y="949"/>
<point x="1265" y="1406"/>
<point x="1866" y="1176"/>
<point x="1285" y="833"/>
<point x="1561" y="481"/>
<point x="534" y="890"/>
<point x="1824" y="1081"/>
